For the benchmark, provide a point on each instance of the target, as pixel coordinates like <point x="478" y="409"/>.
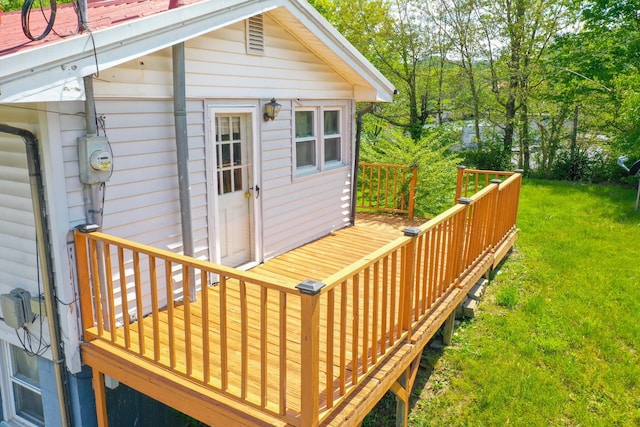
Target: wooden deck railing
<point x="198" y="340"/>
<point x="470" y="181"/>
<point x="387" y="188"/>
<point x="379" y="300"/>
<point x="330" y="335"/>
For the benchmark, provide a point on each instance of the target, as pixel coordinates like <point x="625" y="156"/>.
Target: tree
<point x="397" y="39"/>
<point x="523" y="29"/>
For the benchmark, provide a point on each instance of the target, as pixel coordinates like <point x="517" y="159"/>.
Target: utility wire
<point x="26" y="15"/>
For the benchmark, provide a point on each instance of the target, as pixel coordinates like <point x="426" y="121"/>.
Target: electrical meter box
<point x="16" y="308"/>
<point x="96" y="162"/>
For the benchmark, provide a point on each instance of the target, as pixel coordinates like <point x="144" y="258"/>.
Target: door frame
<point x="251" y="110"/>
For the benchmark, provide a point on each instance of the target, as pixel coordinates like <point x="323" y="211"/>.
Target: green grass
<point x="556" y="340"/>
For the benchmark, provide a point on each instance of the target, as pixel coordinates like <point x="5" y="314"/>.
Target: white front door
<point x="236" y="192"/>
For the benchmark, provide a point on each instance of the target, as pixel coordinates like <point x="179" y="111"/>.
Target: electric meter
<point x="94" y="156"/>
<point x="101" y="161"/>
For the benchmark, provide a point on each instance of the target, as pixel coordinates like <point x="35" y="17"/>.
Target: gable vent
<point x="255" y="35"/>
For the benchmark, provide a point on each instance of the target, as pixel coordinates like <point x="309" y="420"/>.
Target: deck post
<point x="448" y="328"/>
<point x="100" y="397"/>
<point x="412" y="189"/>
<point x="310" y="343"/>
<point x="402" y="389"/>
<point x="407" y="278"/>
<point x="495" y="215"/>
<point x="459" y="180"/>
<point x="84" y="282"/>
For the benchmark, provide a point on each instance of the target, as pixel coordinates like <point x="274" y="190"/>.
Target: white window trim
<point x="319" y="108"/>
<point x="6" y="388"/>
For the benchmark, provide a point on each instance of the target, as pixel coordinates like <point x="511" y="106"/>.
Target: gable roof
<point x="52" y="69"/>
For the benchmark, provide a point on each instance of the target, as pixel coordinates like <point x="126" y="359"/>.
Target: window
<point x="21" y="387"/>
<point x="318" y="139"/>
<point x="229" y="154"/>
<point x="305" y="139"/>
<point x="332" y="138"/>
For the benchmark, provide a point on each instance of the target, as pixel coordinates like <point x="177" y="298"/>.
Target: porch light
<point x="271" y="110"/>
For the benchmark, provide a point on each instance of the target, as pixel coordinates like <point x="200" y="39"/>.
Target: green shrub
<point x="436" y="164"/>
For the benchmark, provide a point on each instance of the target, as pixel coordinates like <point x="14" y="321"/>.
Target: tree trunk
<point x="525" y="155"/>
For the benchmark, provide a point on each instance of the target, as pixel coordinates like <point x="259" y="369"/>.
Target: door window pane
<point x="237" y="154"/>
<point x="236" y="128"/>
<point x="223" y="129"/>
<point x="226" y="154"/>
<point x="230" y="166"/>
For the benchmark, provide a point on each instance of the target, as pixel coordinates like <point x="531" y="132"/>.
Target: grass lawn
<point x="556" y="341"/>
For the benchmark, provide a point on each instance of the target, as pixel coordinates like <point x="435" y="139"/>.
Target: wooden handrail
<point x="404" y="280"/>
<point x="470" y="181"/>
<point x="387" y="188"/>
<point x="108" y="265"/>
<point x="365" y="311"/>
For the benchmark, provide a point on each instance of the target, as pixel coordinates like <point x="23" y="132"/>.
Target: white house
<point x="152" y="125"/>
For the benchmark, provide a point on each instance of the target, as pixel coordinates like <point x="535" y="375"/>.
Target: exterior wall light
<point x="271" y="110"/>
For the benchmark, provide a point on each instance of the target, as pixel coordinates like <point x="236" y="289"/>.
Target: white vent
<point x="255" y="35"/>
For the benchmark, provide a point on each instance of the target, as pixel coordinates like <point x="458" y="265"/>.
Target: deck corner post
<point x="310" y="352"/>
<point x="494" y="219"/>
<point x="459" y="180"/>
<point x="84" y="280"/>
<point x="412" y="189"/>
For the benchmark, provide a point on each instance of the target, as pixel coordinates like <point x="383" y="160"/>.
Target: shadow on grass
<point x="429" y="382"/>
<point x="384" y="413"/>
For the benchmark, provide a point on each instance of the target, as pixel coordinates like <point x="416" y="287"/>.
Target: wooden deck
<point x="255" y="349"/>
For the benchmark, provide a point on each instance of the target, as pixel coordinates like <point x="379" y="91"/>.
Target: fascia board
<point x="44" y="68"/>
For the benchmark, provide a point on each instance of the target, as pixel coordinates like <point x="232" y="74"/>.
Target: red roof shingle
<point x="102" y="14"/>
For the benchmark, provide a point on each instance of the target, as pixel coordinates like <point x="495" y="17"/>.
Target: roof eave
<point x="53" y="77"/>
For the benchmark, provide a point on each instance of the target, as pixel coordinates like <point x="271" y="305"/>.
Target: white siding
<point x="135" y="101"/>
<point x="142" y="198"/>
<point x="218" y="67"/>
<point x="297" y="210"/>
<point x="17" y="229"/>
<point x="18" y="246"/>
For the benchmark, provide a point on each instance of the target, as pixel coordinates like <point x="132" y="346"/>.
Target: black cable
<point x="26" y="13"/>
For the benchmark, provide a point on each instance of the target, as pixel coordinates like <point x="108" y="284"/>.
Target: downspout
<point x="44" y="252"/>
<point x="356" y="162"/>
<point x="182" y="150"/>
<point x="93" y="193"/>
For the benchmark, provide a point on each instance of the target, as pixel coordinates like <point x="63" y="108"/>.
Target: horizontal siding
<point x="142" y="196"/>
<point x="18" y="250"/>
<point x="217" y="66"/>
<point x="72" y="126"/>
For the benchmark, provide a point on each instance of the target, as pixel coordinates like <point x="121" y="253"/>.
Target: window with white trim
<point x="21" y="387"/>
<point x="319" y="136"/>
